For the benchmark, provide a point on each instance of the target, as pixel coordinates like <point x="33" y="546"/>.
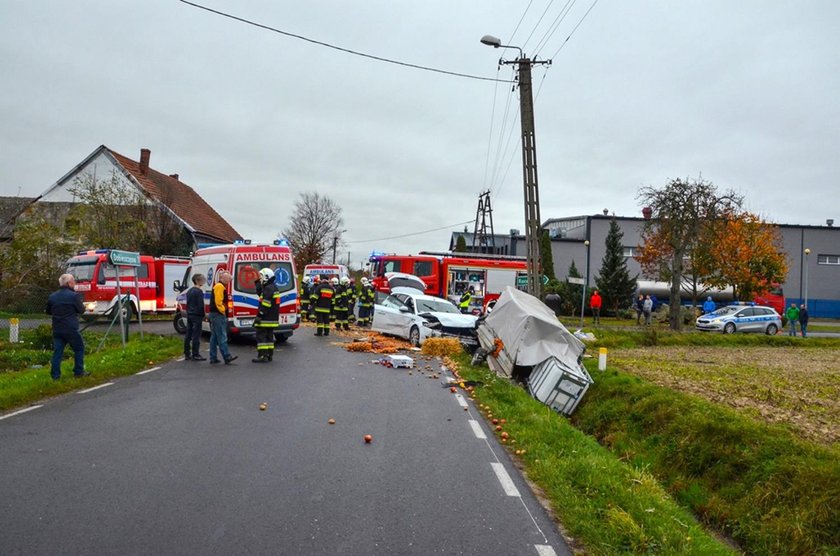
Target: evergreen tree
<point x="546" y="256"/>
<point x="461" y="245"/>
<point x="614" y="281"/>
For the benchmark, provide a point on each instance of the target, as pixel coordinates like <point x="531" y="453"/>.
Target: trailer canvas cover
<point x="530" y="331"/>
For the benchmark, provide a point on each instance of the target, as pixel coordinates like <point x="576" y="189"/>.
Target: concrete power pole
<point x="529" y="174"/>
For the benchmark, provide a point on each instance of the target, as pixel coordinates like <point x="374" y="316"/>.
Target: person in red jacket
<point x="595" y="305"/>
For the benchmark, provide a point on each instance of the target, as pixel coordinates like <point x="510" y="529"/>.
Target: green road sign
<point x="125" y="258"/>
<point x="544" y="279"/>
<point x="521" y="281"/>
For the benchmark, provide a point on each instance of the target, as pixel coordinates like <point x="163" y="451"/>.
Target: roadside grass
<point x="21" y="384"/>
<point x="608" y="505"/>
<point x="759" y="484"/>
<point x="655" y="336"/>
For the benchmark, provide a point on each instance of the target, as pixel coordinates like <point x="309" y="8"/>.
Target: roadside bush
<point x="42" y="337"/>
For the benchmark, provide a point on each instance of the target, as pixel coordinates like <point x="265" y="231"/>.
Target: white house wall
<point x="100" y="166"/>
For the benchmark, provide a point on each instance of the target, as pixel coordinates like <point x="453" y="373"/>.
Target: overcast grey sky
<point x="745" y="92"/>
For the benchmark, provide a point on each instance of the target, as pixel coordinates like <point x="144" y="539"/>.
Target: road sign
<point x="125" y="258"/>
<point x="521" y="281"/>
<point x="573" y="280"/>
<point x="544" y="279"/>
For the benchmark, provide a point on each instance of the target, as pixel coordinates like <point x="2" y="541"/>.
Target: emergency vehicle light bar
<point x="242" y="242"/>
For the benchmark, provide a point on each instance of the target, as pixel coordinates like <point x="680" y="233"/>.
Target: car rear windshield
<point x="247" y="274"/>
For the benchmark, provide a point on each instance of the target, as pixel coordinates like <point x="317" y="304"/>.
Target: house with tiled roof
<point x="180" y="201"/>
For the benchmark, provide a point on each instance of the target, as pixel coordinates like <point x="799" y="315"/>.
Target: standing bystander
<point x="595" y="306"/>
<point x="195" y="316"/>
<point x="218" y="320"/>
<point x="803" y="320"/>
<point x="637" y="306"/>
<point x="65" y="306"/>
<point x="647" y="309"/>
<point x="792" y="316"/>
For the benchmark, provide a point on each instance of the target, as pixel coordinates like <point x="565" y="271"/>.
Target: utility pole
<point x="484" y="241"/>
<point x="335" y="247"/>
<point x="529" y="164"/>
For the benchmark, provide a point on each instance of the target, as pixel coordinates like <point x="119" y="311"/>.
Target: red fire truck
<point x="449" y="275"/>
<point x="244" y="260"/>
<point x="96" y="280"/>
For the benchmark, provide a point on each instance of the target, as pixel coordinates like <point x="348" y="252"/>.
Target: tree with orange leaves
<point x="743" y="251"/>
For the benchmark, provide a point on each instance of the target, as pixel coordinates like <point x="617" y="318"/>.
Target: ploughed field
<point x="799" y="388"/>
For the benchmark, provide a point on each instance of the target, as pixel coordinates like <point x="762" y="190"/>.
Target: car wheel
<point x="180" y="323"/>
<point x="729" y="328"/>
<point x="282" y="338"/>
<point x="414" y="336"/>
<point x="772" y="329"/>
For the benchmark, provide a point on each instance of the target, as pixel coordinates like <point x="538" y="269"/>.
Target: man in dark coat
<point x="65" y="306"/>
<point x="195" y="316"/>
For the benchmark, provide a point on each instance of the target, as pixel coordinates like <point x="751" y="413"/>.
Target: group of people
<point x="796" y="314"/>
<point x="217" y="316"/>
<point x="332" y="301"/>
<point x="643" y="306"/>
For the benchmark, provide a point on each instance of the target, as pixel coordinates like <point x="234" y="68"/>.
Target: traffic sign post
<point x="127" y="258"/>
<point x="124" y="258"/>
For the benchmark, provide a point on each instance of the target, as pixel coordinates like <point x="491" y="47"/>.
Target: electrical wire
<point x="575" y="29"/>
<point x="497" y="166"/>
<point x="528" y="7"/>
<point x="564" y="11"/>
<point x="339" y="48"/>
<point x="413" y="233"/>
<point x="525" y="44"/>
<point x="492" y="121"/>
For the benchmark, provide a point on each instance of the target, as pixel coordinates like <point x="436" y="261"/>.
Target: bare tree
<point x="680" y="211"/>
<point x="112" y="213"/>
<point x="315" y="230"/>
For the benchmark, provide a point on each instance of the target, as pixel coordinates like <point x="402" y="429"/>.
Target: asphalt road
<point x="181" y="460"/>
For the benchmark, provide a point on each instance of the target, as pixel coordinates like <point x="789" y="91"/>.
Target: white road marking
<point x="181" y="359"/>
<point x="19" y="411"/>
<point x="507" y="483"/>
<point x="545" y="550"/>
<point x="148" y="370"/>
<point x="461" y="401"/>
<point x="477" y="429"/>
<point x="94" y="388"/>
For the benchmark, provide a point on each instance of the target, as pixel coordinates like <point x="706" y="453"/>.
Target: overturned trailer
<point x="523" y="340"/>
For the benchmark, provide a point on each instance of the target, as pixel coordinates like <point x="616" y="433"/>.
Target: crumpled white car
<point x="408" y="313"/>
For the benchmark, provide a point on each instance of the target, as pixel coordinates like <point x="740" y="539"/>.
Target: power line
<point x="492" y="121"/>
<point x="528" y="7"/>
<point x="575" y="29"/>
<point x="339" y="48"/>
<point x="537" y="24"/>
<point x="413" y="233"/>
<point x="564" y="11"/>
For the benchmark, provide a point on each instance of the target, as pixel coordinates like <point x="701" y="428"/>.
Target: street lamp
<point x="529" y="163"/>
<point x="807" y="252"/>
<point x="585" y="284"/>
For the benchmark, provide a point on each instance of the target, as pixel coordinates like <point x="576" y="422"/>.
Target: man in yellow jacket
<point x="218" y="320"/>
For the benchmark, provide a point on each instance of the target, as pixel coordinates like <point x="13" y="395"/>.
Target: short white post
<point x="14" y="329"/>
<point x="602" y="359"/>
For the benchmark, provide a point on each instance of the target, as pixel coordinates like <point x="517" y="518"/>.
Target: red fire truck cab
<point x="244" y="260"/>
<point x="449" y="275"/>
<point x="96" y="280"/>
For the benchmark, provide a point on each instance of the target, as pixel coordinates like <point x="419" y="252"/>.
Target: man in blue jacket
<point x="709" y="306"/>
<point x="65" y="306"/>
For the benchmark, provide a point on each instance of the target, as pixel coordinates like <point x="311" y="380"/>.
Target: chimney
<point x="175" y="176"/>
<point x="145" y="155"/>
<point x="647" y="212"/>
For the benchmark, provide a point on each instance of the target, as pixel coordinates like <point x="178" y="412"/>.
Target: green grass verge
<point x="615" y="338"/>
<point x="759" y="484"/>
<point x="608" y="505"/>
<point x="21" y="387"/>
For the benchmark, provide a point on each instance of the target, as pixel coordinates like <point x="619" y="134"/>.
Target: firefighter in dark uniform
<point x="268" y="316"/>
<point x="322" y="302"/>
<point x="305" y="292"/>
<point x="339" y="303"/>
<point x="351" y="303"/>
<point x="366" y="297"/>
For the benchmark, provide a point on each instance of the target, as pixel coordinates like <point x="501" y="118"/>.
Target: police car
<point x="741" y="318"/>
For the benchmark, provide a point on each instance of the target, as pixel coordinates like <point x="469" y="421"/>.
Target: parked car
<point x="741" y="318"/>
<point x="408" y="313"/>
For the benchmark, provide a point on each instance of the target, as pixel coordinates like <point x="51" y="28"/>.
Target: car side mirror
<point x="176" y="285"/>
<point x="404" y="309"/>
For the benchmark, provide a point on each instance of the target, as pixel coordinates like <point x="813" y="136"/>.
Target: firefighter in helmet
<point x="305" y="291"/>
<point x="466" y="299"/>
<point x="366" y="297"/>
<point x="315" y="281"/>
<point x="268" y="316"/>
<point x="343" y="304"/>
<point x="351" y="302"/>
<point x="322" y="303"/>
